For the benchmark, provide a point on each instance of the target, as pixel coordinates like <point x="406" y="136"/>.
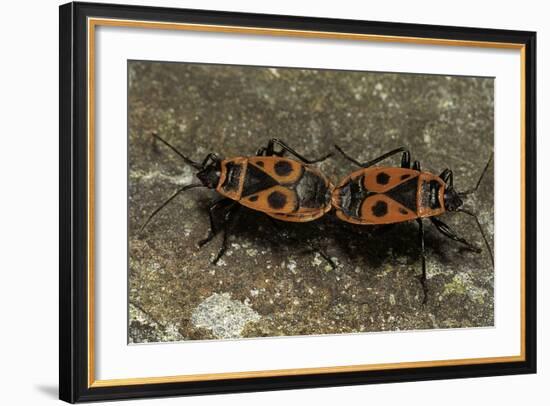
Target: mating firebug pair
<point x="295" y="191"/>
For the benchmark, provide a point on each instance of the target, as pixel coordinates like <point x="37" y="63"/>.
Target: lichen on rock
<point x="226" y="318"/>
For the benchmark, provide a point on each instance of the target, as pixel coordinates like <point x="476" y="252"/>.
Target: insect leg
<point x="270" y="151"/>
<point x="230" y="219"/>
<point x="264" y="151"/>
<point x="217" y="204"/>
<point x="261" y="151"/>
<point x="423" y="257"/>
<point x="210" y="157"/>
<point x="406" y="160"/>
<point x="312" y="248"/>
<point x="375" y="160"/>
<point x="447" y="177"/>
<point x="450" y="233"/>
<point x="416" y="166"/>
<point x="469" y="213"/>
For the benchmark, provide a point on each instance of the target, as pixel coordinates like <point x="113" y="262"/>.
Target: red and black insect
<point x="389" y="195"/>
<point x="282" y="188"/>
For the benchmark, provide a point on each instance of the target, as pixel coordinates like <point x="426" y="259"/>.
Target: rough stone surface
<point x="272" y="286"/>
<point x="226" y="318"/>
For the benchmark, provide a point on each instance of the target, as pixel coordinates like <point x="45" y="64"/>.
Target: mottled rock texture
<point x="267" y="285"/>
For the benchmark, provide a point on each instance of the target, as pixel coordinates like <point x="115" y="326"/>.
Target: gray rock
<point x="445" y="121"/>
<point x="226" y="318"/>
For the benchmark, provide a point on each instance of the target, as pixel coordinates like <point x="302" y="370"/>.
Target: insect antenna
<point x="189" y="161"/>
<point x="469" y="213"/>
<point x="473" y="190"/>
<point x="183" y="189"/>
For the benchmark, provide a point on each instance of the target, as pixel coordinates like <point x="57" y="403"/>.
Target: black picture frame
<point x="73" y="255"/>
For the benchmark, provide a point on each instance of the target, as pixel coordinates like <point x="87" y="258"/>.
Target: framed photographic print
<point x="255" y="202"/>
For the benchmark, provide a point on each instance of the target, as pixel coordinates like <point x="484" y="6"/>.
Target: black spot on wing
<point x="276" y="200"/>
<point x="253" y="198"/>
<point x="382" y="178"/>
<point x="283" y="168"/>
<point x="256" y="180"/>
<point x="380" y="208"/>
<point x="402" y="211"/>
